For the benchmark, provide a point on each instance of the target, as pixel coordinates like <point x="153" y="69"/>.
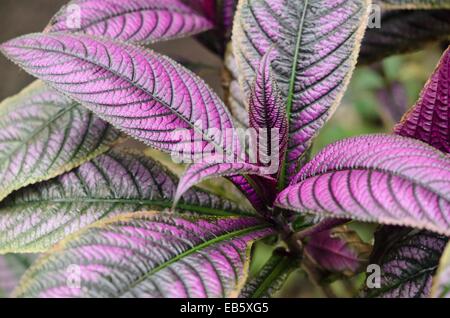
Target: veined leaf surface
<point x="139" y="21"/>
<point x="37" y="217"/>
<point x="43" y="134"/>
<point x="267" y="113"/>
<point x="429" y="119"/>
<point x="149" y="255"/>
<point x="408" y="266"/>
<point x="404" y="31"/>
<point x="199" y="172"/>
<point x="145" y="94"/>
<point x="317" y="43"/>
<point x="385" y="179"/>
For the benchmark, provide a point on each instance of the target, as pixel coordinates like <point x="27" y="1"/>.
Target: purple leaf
<point x="140" y="21"/>
<point x="221" y="12"/>
<point x="147" y="95"/>
<point x="403" y="31"/>
<point x="43" y="134"/>
<point x="408" y="266"/>
<point x="429" y="119"/>
<point x="149" y="255"/>
<point x="267" y="113"/>
<point x="199" y="172"/>
<point x="386" y="179"/>
<point x="317" y="43"/>
<point x="338" y="250"/>
<point x="35" y="218"/>
<point x="441" y="282"/>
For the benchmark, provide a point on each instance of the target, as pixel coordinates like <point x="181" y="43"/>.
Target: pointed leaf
<point x="199" y="172"/>
<point x="317" y="43"/>
<point x="267" y="113"/>
<point x="37" y="217"/>
<point x="415" y="4"/>
<point x="269" y="279"/>
<point x="441" y="282"/>
<point x="338" y="250"/>
<point x="43" y="134"/>
<point x="140" y="21"/>
<point x="408" y="266"/>
<point x="149" y="255"/>
<point x="429" y="119"/>
<point x="404" y="31"/>
<point x="143" y="93"/>
<point x="386" y="179"/>
<point x="150" y="97"/>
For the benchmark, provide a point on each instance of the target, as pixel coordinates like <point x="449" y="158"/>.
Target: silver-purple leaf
<point x="317" y="43"/>
<point x="138" y="21"/>
<point x="43" y="134"/>
<point x="408" y="266"/>
<point x="429" y="119"/>
<point x="267" y="112"/>
<point x="385" y="179"/>
<point x="149" y="255"/>
<point x="36" y="217"/>
<point x="147" y="95"/>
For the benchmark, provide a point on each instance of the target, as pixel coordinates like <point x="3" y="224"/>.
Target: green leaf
<point x="270" y="278"/>
<point x="35" y="218"/>
<point x="43" y="134"/>
<point x="408" y="266"/>
<point x="148" y="255"/>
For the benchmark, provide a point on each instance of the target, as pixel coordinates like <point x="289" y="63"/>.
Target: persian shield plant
<point x="122" y="225"/>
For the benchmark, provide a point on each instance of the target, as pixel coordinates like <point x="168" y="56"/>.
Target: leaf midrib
<point x="290" y="97"/>
<point x="278" y="270"/>
<point x="161" y="203"/>
<point x="129" y="81"/>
